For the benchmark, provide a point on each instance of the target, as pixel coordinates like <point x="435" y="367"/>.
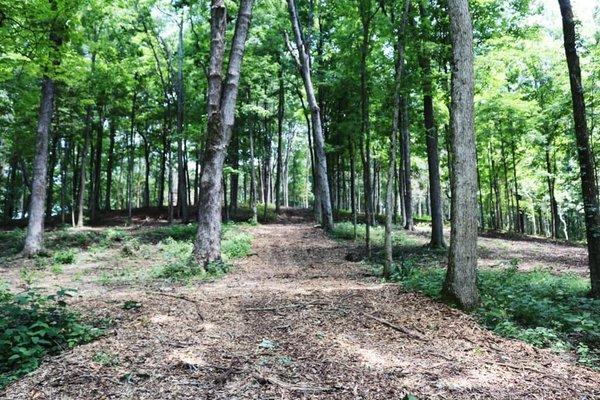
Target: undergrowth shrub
<point x="64" y="257"/>
<point x="33" y="325"/>
<point x="538" y="307"/>
<point x="345" y="231"/>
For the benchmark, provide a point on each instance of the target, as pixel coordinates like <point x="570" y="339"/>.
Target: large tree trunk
<point x="586" y="158"/>
<point x="222" y="96"/>
<point x="390" y="193"/>
<point x="317" y="128"/>
<point x="280" y="114"/>
<point x="35" y="228"/>
<point x="460" y="285"/>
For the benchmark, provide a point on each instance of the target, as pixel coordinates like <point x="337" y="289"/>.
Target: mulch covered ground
<point x="295" y="320"/>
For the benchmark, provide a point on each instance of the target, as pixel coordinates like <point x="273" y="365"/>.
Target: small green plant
<point x="33" y="325"/>
<point x="106" y="359"/>
<point x="64" y="257"/>
<point x="115" y="235"/>
<point x="57" y="269"/>
<point x="131" y="305"/>
<point x="29" y="276"/>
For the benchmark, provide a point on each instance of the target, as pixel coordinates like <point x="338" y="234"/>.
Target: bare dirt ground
<point x="295" y="320"/>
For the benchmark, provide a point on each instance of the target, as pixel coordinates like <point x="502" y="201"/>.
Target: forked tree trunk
<point x="460" y="285"/>
<point x="222" y="96"/>
<point x="322" y="185"/>
<point x="586" y="158"/>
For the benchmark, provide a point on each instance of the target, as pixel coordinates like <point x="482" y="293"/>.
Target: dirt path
<point x="296" y="321"/>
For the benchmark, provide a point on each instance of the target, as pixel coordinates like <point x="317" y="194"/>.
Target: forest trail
<point x="295" y="320"/>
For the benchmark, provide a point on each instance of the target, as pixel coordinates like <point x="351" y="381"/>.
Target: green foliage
<point x="64" y="257"/>
<point x="235" y="242"/>
<point x="345" y="231"/>
<point x="11" y="242"/>
<point x="538" y="307"/>
<point x="33" y="325"/>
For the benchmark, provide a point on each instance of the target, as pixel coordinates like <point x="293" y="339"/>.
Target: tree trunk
<point x="182" y="193"/>
<point x="130" y="148"/>
<point x="253" y="180"/>
<point x="461" y="277"/>
<point x="35" y="227"/>
<point x="222" y="96"/>
<point x="586" y="158"/>
<point x="317" y="128"/>
<point x="433" y="161"/>
<point x="95" y="203"/>
<point x="109" y="165"/>
<point x="390" y="194"/>
<point x="84" y="154"/>
<point x="280" y="115"/>
<point x="406" y="167"/>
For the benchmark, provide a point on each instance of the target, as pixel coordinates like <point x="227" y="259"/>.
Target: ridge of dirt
<point x="296" y="320"/>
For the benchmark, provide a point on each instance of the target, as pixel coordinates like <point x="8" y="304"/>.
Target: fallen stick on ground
<point x="302" y="387"/>
<point x="179" y="297"/>
<point x="398" y="328"/>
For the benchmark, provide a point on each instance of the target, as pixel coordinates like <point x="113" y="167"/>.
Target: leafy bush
<point x="115" y="235"/>
<point x="235" y="242"/>
<point x="33" y="325"/>
<point x="175" y="232"/>
<point x="64" y="257"/>
<point x="537" y="307"/>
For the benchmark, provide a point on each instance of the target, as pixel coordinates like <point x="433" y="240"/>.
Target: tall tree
<point x="584" y="152"/>
<point x="390" y="193"/>
<point x="182" y="192"/>
<point x="222" y="96"/>
<point x="431" y="139"/>
<point x="303" y="61"/>
<point x="35" y="228"/>
<point x="461" y="277"/>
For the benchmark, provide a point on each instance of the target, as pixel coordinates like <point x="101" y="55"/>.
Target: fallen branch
<point x="180" y="297"/>
<point x="302" y="387"/>
<point x="395" y="327"/>
<point x="289" y="306"/>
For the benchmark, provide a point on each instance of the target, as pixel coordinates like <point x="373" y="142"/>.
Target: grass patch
<point x="543" y="309"/>
<point x="33" y="325"/>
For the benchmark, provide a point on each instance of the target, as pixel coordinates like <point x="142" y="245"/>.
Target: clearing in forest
<point x="292" y="320"/>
